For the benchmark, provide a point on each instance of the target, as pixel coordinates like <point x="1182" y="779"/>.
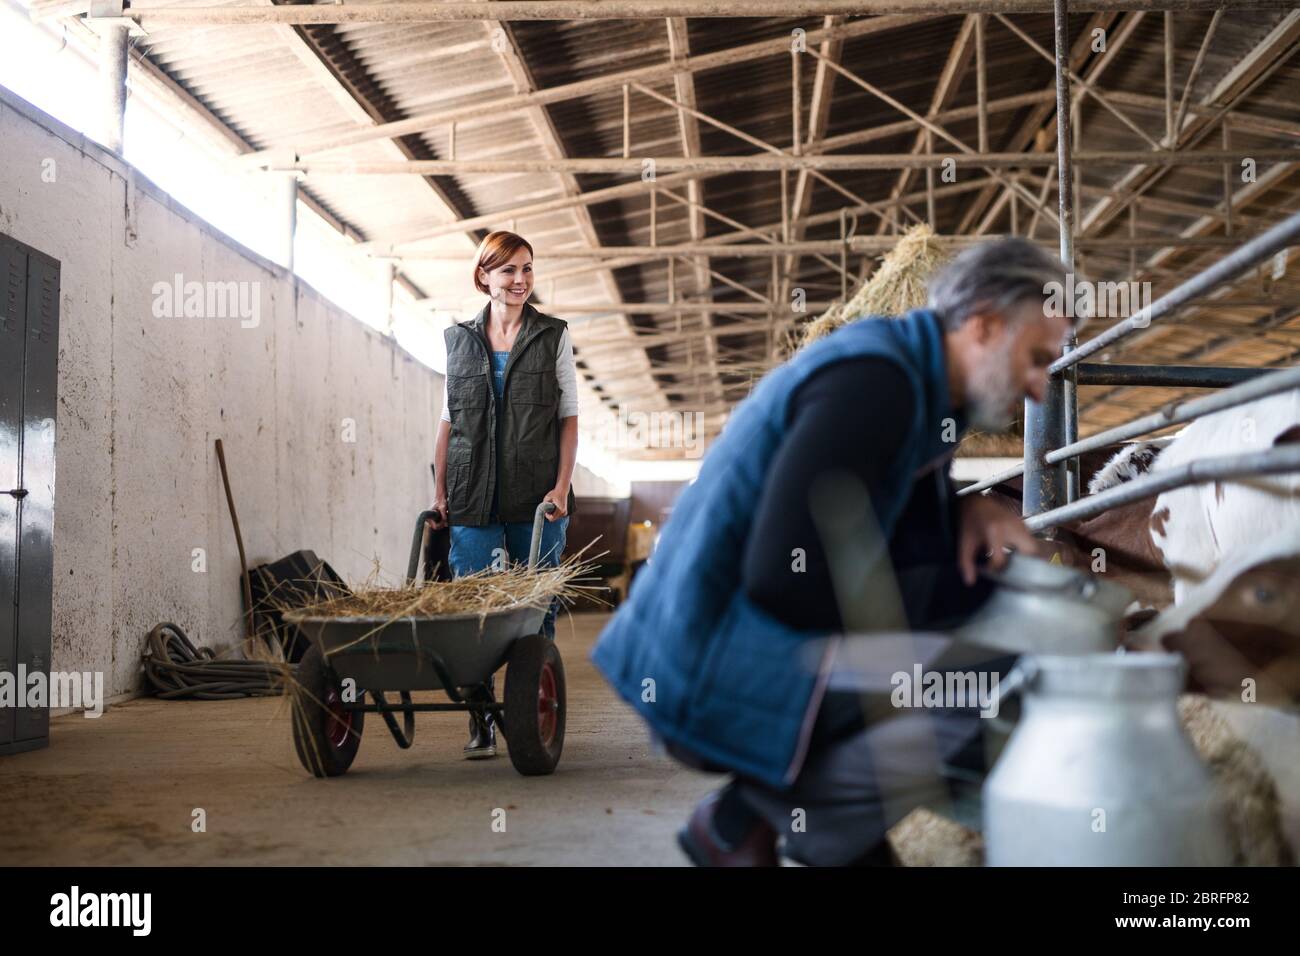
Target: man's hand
<point x="560" y="498"/>
<point x="986" y="528"/>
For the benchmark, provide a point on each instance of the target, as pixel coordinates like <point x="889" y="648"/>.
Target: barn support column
<point x="1048" y="424"/>
<point x="113" y="39"/>
<point x="285" y="197"/>
<point x="386" y="276"/>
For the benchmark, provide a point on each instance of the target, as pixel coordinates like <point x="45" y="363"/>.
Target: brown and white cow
<point x="1231" y="548"/>
<point x="1197" y="527"/>
<point x="1158" y="548"/>
<point x="1166" y="549"/>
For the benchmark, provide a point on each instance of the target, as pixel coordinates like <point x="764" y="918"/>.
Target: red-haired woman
<point x="509" y="432"/>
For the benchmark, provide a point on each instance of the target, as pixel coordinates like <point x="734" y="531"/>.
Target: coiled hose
<point x="178" y="669"/>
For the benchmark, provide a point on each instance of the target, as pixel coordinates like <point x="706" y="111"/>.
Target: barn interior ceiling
<point x="687" y="180"/>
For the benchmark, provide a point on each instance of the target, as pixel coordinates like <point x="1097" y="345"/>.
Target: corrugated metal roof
<point x="280" y="87"/>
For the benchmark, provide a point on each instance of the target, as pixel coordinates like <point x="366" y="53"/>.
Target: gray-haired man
<point x="771" y="547"/>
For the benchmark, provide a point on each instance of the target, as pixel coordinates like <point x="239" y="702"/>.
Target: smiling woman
<point x="509" y="432"/>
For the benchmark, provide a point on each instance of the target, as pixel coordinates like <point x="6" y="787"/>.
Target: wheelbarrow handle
<point x="417" y="543"/>
<point x="535" y="545"/>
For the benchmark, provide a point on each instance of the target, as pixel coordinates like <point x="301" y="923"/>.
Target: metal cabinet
<point x="29" y="351"/>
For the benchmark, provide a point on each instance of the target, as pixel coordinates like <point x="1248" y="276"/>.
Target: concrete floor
<point x="122" y="789"/>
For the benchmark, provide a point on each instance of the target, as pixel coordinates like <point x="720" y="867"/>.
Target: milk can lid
<point x="1106" y="676"/>
<point x="1034" y="575"/>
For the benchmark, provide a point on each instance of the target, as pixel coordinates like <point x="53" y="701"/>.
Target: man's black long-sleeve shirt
<point x="852" y="416"/>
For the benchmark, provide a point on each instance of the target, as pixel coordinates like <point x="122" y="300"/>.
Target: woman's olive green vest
<point x="517" y="444"/>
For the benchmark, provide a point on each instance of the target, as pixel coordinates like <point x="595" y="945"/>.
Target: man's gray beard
<point x="992" y="405"/>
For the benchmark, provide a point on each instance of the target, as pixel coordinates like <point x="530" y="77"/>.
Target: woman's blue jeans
<point x="482" y="547"/>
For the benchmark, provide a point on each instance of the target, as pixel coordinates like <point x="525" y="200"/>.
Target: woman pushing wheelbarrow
<point x="450" y="636"/>
<point x="508" y="437"/>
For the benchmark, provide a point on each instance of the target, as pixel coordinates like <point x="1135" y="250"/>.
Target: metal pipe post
<point x="1045" y="484"/>
<point x="286" y="190"/>
<point x="113" y="43"/>
<point x="1048" y="486"/>
<point x="387" y="274"/>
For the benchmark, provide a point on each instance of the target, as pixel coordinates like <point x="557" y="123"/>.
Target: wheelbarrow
<point x="355" y="662"/>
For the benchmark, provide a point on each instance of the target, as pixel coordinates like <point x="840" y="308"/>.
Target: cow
<point x="1242" y="535"/>
<point x="1159" y="548"/>
<point x="1239" y="632"/>
<point x="1195" y="528"/>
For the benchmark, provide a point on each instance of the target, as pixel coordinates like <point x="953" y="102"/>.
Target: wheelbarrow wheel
<point x="534" y="712"/>
<point x="325" y="735"/>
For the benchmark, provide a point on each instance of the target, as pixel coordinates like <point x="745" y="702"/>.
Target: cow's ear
<point x="1289" y="437"/>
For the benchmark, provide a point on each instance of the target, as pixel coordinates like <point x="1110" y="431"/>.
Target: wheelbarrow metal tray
<point x="406" y="653"/>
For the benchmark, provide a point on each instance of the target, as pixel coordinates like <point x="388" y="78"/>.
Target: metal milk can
<point x="1099" y="771"/>
<point x="1045" y="608"/>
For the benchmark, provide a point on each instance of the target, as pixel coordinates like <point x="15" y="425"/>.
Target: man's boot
<point x="704" y="843"/>
<point x="482" y="731"/>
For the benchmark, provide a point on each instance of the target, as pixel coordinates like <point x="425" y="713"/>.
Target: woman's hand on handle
<point x="440" y="475"/>
<point x="440" y="506"/>
<point x="560" y="498"/>
<point x="564" y="476"/>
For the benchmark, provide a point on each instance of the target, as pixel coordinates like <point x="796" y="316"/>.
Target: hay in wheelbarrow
<point x="482" y="593"/>
<point x="897" y="286"/>
<point x="489" y="590"/>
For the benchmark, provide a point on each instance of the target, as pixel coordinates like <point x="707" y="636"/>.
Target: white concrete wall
<point x="141" y="400"/>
